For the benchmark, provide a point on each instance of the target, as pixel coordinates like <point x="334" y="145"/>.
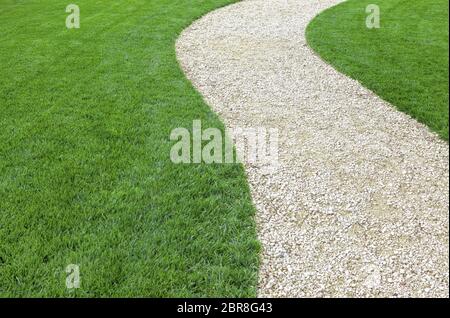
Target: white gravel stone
<point x="359" y="205"/>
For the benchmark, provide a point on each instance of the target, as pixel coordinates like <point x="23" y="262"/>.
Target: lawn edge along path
<point x="404" y="61"/>
<point x="85" y="172"/>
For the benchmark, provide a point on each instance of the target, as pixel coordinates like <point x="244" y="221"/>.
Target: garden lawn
<point x="405" y="61"/>
<point x="85" y="170"/>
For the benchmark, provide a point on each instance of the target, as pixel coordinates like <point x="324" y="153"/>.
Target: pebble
<point x="358" y="183"/>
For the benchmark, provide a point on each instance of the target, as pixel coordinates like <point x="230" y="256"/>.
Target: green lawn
<point x="85" y="170"/>
<point x="405" y="61"/>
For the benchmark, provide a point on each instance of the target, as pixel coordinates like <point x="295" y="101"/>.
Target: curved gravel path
<point x="359" y="205"/>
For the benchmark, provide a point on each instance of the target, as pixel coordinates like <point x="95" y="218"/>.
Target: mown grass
<point x="405" y="61"/>
<point x="85" y="172"/>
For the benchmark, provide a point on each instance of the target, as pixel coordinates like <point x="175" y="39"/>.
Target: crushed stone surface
<point x="359" y="204"/>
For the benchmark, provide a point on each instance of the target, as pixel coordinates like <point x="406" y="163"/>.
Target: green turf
<point x="405" y="61"/>
<point x="85" y="172"/>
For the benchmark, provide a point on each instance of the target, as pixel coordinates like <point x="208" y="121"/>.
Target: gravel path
<point x="359" y="205"/>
